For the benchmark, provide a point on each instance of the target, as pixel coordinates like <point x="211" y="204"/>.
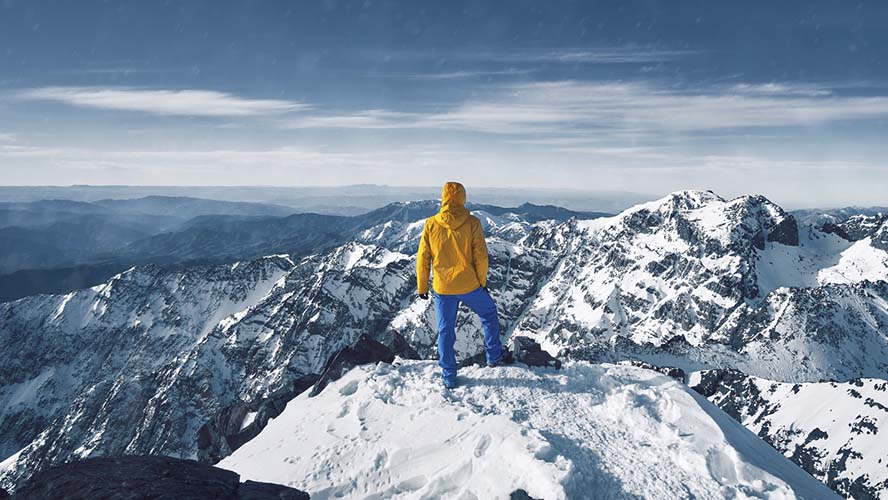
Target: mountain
<point x="588" y="431"/>
<point x="833" y="430"/>
<point x="74" y="250"/>
<point x="52" y="246"/>
<point x="729" y="282"/>
<point x="333" y="200"/>
<point x="141" y="363"/>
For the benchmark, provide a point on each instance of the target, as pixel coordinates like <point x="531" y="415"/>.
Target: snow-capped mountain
<point x="733" y="278"/>
<point x="587" y="431"/>
<point x="140" y="364"/>
<point x="835" y="431"/>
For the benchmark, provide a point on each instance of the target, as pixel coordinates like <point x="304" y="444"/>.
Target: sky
<point x="787" y="99"/>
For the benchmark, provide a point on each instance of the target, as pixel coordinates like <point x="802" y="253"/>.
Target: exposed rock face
<point x="521" y="495"/>
<point x="364" y="351"/>
<point x="832" y="430"/>
<point x="128" y="477"/>
<point x="241" y="422"/>
<point x="855" y="227"/>
<point x="529" y="352"/>
<point x="670" y="371"/>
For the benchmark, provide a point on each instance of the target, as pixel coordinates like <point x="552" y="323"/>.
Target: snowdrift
<point x="588" y="431"/>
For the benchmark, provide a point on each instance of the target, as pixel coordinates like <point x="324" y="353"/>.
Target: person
<point x="453" y="246"/>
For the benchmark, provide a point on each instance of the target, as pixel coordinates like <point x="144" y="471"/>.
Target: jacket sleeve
<point x="423" y="261"/>
<point x="479" y="253"/>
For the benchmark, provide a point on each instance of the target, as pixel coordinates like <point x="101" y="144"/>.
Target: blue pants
<point x="482" y="304"/>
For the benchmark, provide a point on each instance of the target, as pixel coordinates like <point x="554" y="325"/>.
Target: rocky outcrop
<point x="521" y="495"/>
<point x="362" y="352"/>
<point x="528" y="351"/>
<point x="129" y="477"/>
<point x="241" y="422"/>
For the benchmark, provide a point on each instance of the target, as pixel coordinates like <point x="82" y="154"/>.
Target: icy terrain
<point x="588" y="431"/>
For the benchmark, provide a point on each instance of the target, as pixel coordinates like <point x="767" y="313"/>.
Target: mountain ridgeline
<point x="140" y="363"/>
<point x="54" y="246"/>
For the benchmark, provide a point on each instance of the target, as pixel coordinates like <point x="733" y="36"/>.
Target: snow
<point x="25" y="392"/>
<point x="588" y="431"/>
<point x="846" y="416"/>
<point x="249" y="418"/>
<point x="861" y="261"/>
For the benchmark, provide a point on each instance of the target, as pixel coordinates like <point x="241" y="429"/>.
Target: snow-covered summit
<point x="588" y="431"/>
<point x="706" y="270"/>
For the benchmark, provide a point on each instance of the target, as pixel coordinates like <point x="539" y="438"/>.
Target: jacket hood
<point x="453" y="211"/>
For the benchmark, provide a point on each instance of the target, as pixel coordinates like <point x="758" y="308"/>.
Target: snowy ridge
<point x="835" y="431"/>
<point x="589" y="431"/>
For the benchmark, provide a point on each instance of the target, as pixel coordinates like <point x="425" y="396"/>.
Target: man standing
<point x="453" y="245"/>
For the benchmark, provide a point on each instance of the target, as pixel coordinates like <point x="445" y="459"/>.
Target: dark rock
<point x="830" y="228"/>
<point x="362" y="352"/>
<point x="138" y="477"/>
<point x="529" y="352"/>
<point x="480" y="359"/>
<point x="252" y="490"/>
<point x="225" y="432"/>
<point x="521" y="495"/>
<point x="670" y="371"/>
<point x="521" y="349"/>
<point x="785" y="232"/>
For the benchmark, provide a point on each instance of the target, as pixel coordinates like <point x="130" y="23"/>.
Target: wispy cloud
<point x="602" y="55"/>
<point x="776" y="89"/>
<point x="162" y="102"/>
<point x="280" y="166"/>
<point x="623" y="108"/>
<point x="460" y="74"/>
<point x="539" y="55"/>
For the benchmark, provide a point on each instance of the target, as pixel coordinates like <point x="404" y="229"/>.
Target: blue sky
<point x="788" y="99"/>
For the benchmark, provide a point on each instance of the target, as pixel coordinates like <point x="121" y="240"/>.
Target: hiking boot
<point x="450" y="383"/>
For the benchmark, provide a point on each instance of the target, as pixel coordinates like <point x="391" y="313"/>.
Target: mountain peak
<point x="587" y="431"/>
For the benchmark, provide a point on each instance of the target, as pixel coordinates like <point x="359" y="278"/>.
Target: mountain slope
<point x="735" y="278"/>
<point x="835" y="431"/>
<point x="585" y="432"/>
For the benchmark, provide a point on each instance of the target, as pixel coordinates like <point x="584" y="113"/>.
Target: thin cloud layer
<point x="571" y="107"/>
<point x="162" y="102"/>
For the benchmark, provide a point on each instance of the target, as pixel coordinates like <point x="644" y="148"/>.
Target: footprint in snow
<point x="349" y="388"/>
<point x="482" y="445"/>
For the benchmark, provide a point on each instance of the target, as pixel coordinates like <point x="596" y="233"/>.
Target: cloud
<point x="603" y="55"/>
<point x="162" y="102"/>
<point x="369" y="119"/>
<point x="780" y="89"/>
<point x="537" y="56"/>
<point x="462" y="74"/>
<point x="622" y="110"/>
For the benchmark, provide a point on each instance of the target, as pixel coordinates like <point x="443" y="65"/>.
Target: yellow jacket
<point x="453" y="245"/>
